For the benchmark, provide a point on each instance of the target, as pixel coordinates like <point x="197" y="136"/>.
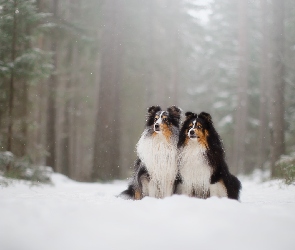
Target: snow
<point x="72" y="215"/>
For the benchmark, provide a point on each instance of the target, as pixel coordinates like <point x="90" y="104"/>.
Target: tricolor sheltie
<point x="155" y="169"/>
<point x="203" y="171"/>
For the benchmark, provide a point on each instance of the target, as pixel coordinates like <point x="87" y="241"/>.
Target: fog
<point x="77" y="77"/>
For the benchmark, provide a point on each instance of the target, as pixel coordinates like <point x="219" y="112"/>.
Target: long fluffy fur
<point x="156" y="167"/>
<point x="195" y="180"/>
<point x="201" y="161"/>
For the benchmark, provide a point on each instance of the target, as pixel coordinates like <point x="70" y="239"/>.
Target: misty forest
<point x="77" y="77"/>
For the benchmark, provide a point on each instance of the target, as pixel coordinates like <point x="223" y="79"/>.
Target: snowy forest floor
<point x="70" y="215"/>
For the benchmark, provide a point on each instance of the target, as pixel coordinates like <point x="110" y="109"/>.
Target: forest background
<point x="77" y="77"/>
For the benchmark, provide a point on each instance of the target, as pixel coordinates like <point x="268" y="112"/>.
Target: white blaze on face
<point x="159" y="121"/>
<point x="194" y="125"/>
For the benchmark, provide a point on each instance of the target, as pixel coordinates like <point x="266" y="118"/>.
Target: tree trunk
<point x="107" y="131"/>
<point x="174" y="49"/>
<point x="51" y="102"/>
<point x="11" y="83"/>
<point x="65" y="140"/>
<point x="265" y="80"/>
<point x="277" y="98"/>
<point x="159" y="52"/>
<point x="25" y="103"/>
<point x="24" y="127"/>
<point x="240" y="132"/>
<point x="150" y="70"/>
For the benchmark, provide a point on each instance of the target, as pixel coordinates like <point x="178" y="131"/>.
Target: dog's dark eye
<point x="165" y="119"/>
<point x="199" y="127"/>
<point x="155" y="119"/>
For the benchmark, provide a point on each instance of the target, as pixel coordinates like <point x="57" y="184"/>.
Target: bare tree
<point x="241" y="113"/>
<point x="51" y="102"/>
<point x="265" y="81"/>
<point x="107" y="131"/>
<point x="278" y="87"/>
<point x="150" y="68"/>
<point x="11" y="83"/>
<point x="65" y="140"/>
<point x="174" y="38"/>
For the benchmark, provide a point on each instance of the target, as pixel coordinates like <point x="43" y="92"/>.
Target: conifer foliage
<point x="22" y="64"/>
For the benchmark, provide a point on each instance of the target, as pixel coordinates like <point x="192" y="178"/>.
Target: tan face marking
<point x="164" y="118"/>
<point x="199" y="125"/>
<point x="202" y="137"/>
<point x="165" y="128"/>
<point x="166" y="131"/>
<point x="199" y="133"/>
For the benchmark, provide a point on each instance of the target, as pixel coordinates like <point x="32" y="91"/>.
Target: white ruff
<point x="159" y="157"/>
<point x="194" y="170"/>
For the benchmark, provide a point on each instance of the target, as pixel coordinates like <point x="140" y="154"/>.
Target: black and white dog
<point x="155" y="169"/>
<point x="203" y="171"/>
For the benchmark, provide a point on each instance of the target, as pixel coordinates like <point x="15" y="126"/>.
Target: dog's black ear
<point x="153" y="109"/>
<point x="205" y="116"/>
<point x="151" y="114"/>
<point x="175" y="111"/>
<point x="189" y="115"/>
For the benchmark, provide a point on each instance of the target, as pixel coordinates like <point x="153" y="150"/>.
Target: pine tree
<point x="22" y="63"/>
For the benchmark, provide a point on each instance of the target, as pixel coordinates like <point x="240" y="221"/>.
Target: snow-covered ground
<point x="70" y="215"/>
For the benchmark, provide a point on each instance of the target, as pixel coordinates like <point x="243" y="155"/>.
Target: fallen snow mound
<point x="72" y="215"/>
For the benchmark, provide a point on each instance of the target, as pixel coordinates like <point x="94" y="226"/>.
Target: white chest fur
<point x="194" y="170"/>
<point x="160" y="159"/>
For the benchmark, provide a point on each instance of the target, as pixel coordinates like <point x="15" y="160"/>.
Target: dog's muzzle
<point x="192" y="134"/>
<point x="157" y="127"/>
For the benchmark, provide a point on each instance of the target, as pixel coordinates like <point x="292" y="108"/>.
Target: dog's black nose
<point x="157" y="126"/>
<point x="192" y="132"/>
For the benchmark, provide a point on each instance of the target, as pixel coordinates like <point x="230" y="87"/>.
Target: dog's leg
<point x="218" y="189"/>
<point x="145" y="187"/>
<point x="137" y="195"/>
<point x="178" y="189"/>
<point x="153" y="189"/>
